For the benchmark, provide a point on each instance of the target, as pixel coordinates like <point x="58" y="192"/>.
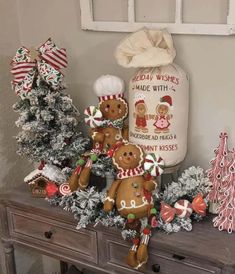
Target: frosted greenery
<point x="191" y="182"/>
<point x="49" y="127"/>
<point x="87" y="205"/>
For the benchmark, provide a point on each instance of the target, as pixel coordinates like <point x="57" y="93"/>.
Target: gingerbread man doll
<point x="131" y="194"/>
<point x="106" y="124"/>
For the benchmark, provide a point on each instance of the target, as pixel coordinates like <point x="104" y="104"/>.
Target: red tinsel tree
<point x="219" y="168"/>
<point x="226" y="218"/>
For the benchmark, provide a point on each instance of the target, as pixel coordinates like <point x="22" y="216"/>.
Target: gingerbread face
<point x="141" y="109"/>
<point x="128" y="157"/>
<point x="114" y="109"/>
<point x="162" y="109"/>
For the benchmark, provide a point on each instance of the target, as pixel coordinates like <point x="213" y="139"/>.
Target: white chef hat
<point x="109" y="87"/>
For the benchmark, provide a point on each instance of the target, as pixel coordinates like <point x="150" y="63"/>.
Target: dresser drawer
<point x="47" y="232"/>
<point x="115" y="252"/>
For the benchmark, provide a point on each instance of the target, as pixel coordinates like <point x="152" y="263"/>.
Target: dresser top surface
<point x="203" y="241"/>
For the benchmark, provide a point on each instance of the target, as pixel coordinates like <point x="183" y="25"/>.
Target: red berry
<point x="146" y="231"/>
<point x="136" y="241"/>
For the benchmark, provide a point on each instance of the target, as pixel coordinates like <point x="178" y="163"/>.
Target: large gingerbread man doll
<point x="106" y="124"/>
<point x="131" y="194"/>
<point x="114" y="109"/>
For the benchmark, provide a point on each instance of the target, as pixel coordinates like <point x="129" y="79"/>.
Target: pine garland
<point x="87" y="205"/>
<point x="191" y="182"/>
<point x="102" y="166"/>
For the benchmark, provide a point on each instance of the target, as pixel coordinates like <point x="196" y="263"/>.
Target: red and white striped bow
<point x="47" y="62"/>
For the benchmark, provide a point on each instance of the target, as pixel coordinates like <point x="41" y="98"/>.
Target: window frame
<point x="178" y="27"/>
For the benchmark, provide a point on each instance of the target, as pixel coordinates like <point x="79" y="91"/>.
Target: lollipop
<point x="64" y="189"/>
<point x="93" y="117"/>
<point x="153" y="164"/>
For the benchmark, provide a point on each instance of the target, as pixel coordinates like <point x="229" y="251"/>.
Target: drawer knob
<point x="178" y="257"/>
<point x="156" y="268"/>
<point x="48" y="234"/>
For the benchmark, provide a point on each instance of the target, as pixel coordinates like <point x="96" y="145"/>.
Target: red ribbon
<point x="49" y="61"/>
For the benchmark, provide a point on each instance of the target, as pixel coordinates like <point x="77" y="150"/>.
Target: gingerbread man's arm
<point x="125" y="132"/>
<point x="97" y="136"/>
<point x="110" y="199"/>
<point x="150" y="185"/>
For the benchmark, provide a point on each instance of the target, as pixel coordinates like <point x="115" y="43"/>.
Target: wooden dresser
<point x="33" y="223"/>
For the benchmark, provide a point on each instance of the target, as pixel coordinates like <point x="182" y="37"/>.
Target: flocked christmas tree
<point x="48" y="118"/>
<point x="49" y="124"/>
<point x="226" y="211"/>
<point x="219" y="168"/>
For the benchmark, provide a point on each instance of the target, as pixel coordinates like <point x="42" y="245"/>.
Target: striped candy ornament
<point x="183" y="208"/>
<point x="153" y="164"/>
<point x="167" y="212"/>
<point x="94" y="117"/>
<point x="64" y="189"/>
<point x="199" y="205"/>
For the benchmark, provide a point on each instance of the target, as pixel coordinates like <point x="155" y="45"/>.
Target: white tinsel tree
<point x="49" y="123"/>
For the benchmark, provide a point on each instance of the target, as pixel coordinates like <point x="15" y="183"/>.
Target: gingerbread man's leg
<point x="73" y="179"/>
<point x="142" y="252"/>
<point x="84" y="177"/>
<point x="133" y="224"/>
<point x="132" y="254"/>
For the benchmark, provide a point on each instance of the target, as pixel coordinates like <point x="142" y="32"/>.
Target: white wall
<point x="209" y="60"/>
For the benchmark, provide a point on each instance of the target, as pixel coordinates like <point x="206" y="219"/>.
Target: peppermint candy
<point x="167" y="213"/>
<point x="94" y="117"/>
<point x="153" y="164"/>
<point x="183" y="208"/>
<point x="64" y="189"/>
<point x="199" y="205"/>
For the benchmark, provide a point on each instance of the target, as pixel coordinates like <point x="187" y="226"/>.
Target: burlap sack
<point x="158" y="95"/>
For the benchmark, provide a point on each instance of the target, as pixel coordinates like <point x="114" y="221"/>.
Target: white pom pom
<point x="108" y="85"/>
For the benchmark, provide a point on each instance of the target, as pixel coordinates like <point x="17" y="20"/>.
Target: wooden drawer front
<point x="30" y="228"/>
<point x="115" y="253"/>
